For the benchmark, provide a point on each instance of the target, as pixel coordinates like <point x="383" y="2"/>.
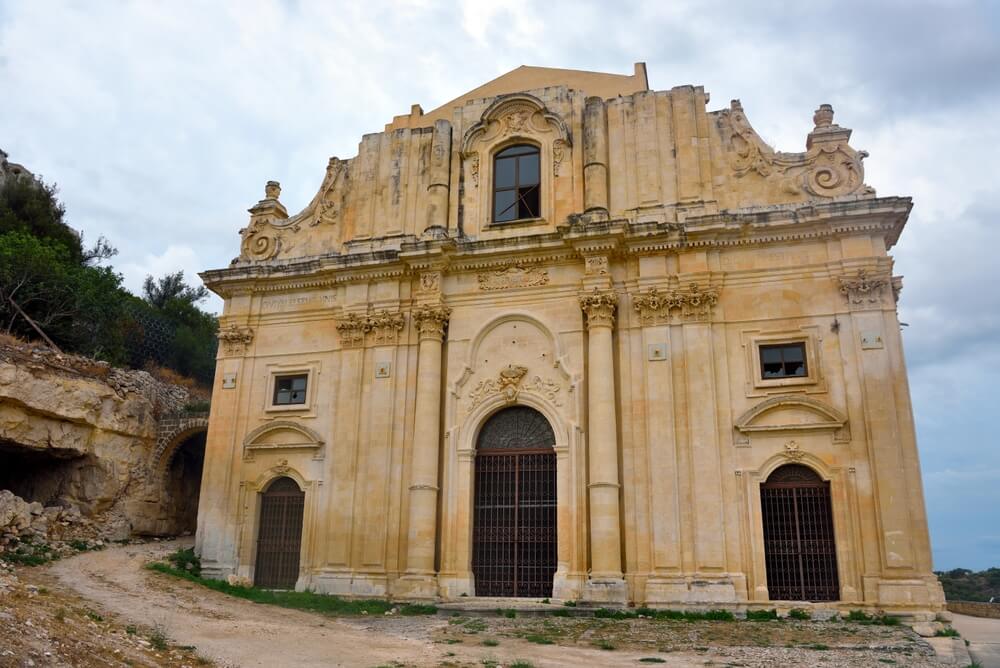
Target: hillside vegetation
<point x="961" y="584"/>
<point x="53" y="285"/>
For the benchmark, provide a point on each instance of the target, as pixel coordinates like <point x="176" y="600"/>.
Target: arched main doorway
<point x="799" y="548"/>
<point x="279" y="535"/>
<point x="514" y="517"/>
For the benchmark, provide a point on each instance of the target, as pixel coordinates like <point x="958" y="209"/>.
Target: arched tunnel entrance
<point x="174" y="482"/>
<point x="182" y="484"/>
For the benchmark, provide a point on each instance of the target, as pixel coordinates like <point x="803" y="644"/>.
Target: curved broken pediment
<point x="517" y="115"/>
<point x="791" y="413"/>
<point x="281" y="435"/>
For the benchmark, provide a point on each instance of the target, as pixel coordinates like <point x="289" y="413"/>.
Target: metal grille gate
<point x="514" y="534"/>
<point x="279" y="538"/>
<point x="799" y="549"/>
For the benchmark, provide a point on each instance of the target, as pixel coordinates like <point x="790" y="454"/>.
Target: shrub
<point x="762" y="615"/>
<point x="799" y="613"/>
<point x="947" y="633"/>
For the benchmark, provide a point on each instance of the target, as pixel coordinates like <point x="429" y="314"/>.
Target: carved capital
<point x="863" y="290"/>
<point x="352" y="330"/>
<point x="599" y="308"/>
<point x="431" y="320"/>
<point x="386" y="326"/>
<point x="689" y="304"/>
<point x="235" y="340"/>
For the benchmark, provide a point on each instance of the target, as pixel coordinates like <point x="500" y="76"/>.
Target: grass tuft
<point x="298" y="600"/>
<point x="799" y="613"/>
<point x="762" y="615"/>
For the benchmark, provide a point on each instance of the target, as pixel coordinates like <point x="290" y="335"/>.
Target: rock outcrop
<point x="78" y="433"/>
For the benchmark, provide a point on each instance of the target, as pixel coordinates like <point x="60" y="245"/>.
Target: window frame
<point x="537" y="153"/>
<point x="290" y="377"/>
<point x="801" y="345"/>
<point x="757" y="385"/>
<point x="310" y="370"/>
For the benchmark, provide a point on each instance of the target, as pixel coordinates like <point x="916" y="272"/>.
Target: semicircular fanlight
<point x="794" y="473"/>
<point x="516" y="428"/>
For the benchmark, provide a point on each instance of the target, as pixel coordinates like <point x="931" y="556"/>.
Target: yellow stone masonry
<point x="672" y="246"/>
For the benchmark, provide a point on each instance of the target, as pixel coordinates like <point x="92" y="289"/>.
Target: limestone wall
<point x="78" y="433"/>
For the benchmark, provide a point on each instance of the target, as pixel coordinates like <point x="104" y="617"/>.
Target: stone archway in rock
<point x="175" y="471"/>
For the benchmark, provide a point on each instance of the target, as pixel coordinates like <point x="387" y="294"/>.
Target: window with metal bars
<point x="516" y="184"/>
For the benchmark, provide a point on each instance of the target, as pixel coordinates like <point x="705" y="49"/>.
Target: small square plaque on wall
<point x="871" y="340"/>
<point x="383" y="369"/>
<point x="657" y="352"/>
<point x="228" y="381"/>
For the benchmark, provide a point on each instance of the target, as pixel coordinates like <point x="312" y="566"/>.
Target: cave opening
<point x="182" y="484"/>
<point x="50" y="476"/>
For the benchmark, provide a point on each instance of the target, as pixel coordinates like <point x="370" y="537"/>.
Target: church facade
<point x="569" y="337"/>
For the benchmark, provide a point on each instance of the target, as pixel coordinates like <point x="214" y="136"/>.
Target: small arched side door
<point x="279" y="535"/>
<point x="799" y="548"/>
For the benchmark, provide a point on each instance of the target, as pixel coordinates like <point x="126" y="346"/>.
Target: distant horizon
<point x="160" y="139"/>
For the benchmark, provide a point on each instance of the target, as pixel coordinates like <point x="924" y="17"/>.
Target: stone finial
<point x="272" y="190"/>
<point x="823" y="118"/>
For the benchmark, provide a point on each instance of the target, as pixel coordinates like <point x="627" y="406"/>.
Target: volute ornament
<point x="692" y="303"/>
<point x="863" y="290"/>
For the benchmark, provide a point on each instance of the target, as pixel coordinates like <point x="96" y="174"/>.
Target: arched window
<point x="516" y="184"/>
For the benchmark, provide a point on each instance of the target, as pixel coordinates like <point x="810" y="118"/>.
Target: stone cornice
<point x="747" y="227"/>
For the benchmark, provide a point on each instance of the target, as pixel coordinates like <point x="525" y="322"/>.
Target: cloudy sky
<point x="160" y="122"/>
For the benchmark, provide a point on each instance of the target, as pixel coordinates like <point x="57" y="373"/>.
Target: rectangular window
<point x="786" y="360"/>
<point x="289" y="390"/>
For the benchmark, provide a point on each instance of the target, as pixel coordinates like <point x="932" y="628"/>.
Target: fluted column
<point x="602" y="439"/>
<point x="430" y="322"/>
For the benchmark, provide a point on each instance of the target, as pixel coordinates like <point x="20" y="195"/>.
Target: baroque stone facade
<point x="663" y="255"/>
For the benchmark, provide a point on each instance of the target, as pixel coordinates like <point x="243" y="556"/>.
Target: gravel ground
<point x="104" y="609"/>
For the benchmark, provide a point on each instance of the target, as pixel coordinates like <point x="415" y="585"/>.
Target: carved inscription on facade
<point x="514" y="276"/>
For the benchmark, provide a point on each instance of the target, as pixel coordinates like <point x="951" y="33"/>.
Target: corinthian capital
<point x="431" y="320"/>
<point x="599" y="308"/>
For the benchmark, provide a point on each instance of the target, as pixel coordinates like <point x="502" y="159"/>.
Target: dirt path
<point x="234" y="632"/>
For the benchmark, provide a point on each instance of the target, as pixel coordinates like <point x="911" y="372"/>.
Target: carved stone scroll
<point x="514" y="276"/>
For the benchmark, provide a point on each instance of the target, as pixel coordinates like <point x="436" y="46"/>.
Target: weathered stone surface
<point x="87" y="433"/>
<point x="669" y="246"/>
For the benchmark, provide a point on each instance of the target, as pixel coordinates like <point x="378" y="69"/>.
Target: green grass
<point x="947" y="633"/>
<point x="298" y="600"/>
<point x="604" y="644"/>
<point x="569" y="604"/>
<point x="651" y="659"/>
<point x="817" y="645"/>
<point x="861" y="617"/>
<point x="560" y="613"/>
<point x="509" y="613"/>
<point x="93" y="616"/>
<point x="762" y="615"/>
<point x="521" y="663"/>
<point x="799" y="613"/>
<point x="490" y="642"/>
<point x="538" y="639"/>
<point x="158" y="639"/>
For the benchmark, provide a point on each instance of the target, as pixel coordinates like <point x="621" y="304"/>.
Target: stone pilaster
<point x="420" y="581"/>
<point x="606" y="583"/>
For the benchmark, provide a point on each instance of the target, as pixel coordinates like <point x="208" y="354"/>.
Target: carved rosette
<point x="430" y="281"/>
<point x="691" y="304"/>
<point x="431" y="320"/>
<point x="514" y="276"/>
<point x="352" y="330"/>
<point x="235" y="340"/>
<point x="863" y="291"/>
<point x="385" y="326"/>
<point x="599" y="307"/>
<point x="596" y="265"/>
